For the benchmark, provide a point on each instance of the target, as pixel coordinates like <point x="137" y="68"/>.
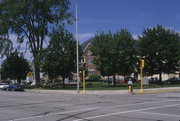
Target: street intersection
<point x="94" y="106"/>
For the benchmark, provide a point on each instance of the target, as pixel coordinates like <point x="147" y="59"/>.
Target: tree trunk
<point x="160" y="79"/>
<point x="36" y="68"/>
<point x="19" y="81"/>
<point x="63" y="82"/>
<point x="37" y="75"/>
<point x="160" y="74"/>
<point x="108" y="81"/>
<point x="114" y="78"/>
<point x="53" y="80"/>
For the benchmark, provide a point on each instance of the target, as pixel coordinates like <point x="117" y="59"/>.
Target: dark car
<point x="15" y="87"/>
<point x="173" y="80"/>
<point x="154" y="80"/>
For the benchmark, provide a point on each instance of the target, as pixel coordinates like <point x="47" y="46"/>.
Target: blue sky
<point x="134" y="15"/>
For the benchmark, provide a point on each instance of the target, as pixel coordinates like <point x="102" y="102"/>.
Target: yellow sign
<point x="29" y="74"/>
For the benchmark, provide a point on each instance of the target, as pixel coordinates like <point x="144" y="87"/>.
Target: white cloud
<point x="85" y="36"/>
<point x="135" y="36"/>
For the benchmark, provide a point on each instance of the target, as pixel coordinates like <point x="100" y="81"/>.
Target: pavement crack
<point x="46" y="113"/>
<point x="139" y="119"/>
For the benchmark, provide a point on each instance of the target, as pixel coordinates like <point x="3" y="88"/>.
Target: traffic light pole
<point x="84" y="82"/>
<point x="141" y="91"/>
<point x="141" y="68"/>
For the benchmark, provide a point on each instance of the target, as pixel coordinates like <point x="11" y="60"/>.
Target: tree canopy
<point x="127" y="54"/>
<point x="115" y="53"/>
<point x="31" y="21"/>
<point x="60" y="56"/>
<point x="160" y="48"/>
<point x="15" y="67"/>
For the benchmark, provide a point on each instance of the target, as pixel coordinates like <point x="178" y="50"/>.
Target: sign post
<point x="29" y="77"/>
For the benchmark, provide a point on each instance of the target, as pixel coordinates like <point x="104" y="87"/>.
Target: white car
<point x="4" y="86"/>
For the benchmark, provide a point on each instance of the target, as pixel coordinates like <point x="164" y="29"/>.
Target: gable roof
<point x="86" y="43"/>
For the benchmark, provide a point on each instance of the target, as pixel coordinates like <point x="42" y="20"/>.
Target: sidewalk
<point x="158" y="90"/>
<point x="107" y="92"/>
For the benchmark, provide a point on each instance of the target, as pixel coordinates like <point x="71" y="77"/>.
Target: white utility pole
<point x="77" y="51"/>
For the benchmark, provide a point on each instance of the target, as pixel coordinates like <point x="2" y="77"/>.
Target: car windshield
<point x="3" y="84"/>
<point x="16" y="85"/>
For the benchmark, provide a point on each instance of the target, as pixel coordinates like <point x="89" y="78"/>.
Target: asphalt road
<point x="64" y="106"/>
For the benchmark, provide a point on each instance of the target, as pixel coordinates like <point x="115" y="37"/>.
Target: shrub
<point x="94" y="77"/>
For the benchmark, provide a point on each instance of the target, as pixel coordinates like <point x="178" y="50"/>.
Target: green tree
<point x="32" y="21"/>
<point x="60" y="55"/>
<point x="160" y="48"/>
<point x="115" y="53"/>
<point x="15" y="67"/>
<point x="127" y="55"/>
<point x="101" y="46"/>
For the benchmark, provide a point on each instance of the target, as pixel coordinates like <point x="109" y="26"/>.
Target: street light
<point x="77" y="51"/>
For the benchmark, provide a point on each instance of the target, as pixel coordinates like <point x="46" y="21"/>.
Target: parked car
<point x="116" y="81"/>
<point x="154" y="80"/>
<point x="15" y="87"/>
<point x="3" y="86"/>
<point x="120" y="81"/>
<point x="173" y="80"/>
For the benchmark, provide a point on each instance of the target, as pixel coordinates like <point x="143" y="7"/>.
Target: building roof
<point x="86" y="43"/>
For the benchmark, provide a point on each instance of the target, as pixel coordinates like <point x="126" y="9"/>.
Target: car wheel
<point x="13" y="89"/>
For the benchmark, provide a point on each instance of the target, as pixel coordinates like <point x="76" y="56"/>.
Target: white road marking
<point x="73" y="111"/>
<point x="122" y="105"/>
<point x="31" y="117"/>
<point x="123" y="112"/>
<point x="160" y="114"/>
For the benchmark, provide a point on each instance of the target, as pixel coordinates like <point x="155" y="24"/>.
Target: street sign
<point x="29" y="74"/>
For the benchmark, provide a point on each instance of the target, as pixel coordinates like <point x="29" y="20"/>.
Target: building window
<point x="90" y="60"/>
<point x="91" y="71"/>
<point x="89" y="52"/>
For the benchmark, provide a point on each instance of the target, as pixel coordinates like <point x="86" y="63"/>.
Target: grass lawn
<point x="104" y="86"/>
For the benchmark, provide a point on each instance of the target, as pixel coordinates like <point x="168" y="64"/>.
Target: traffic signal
<point x="142" y="63"/>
